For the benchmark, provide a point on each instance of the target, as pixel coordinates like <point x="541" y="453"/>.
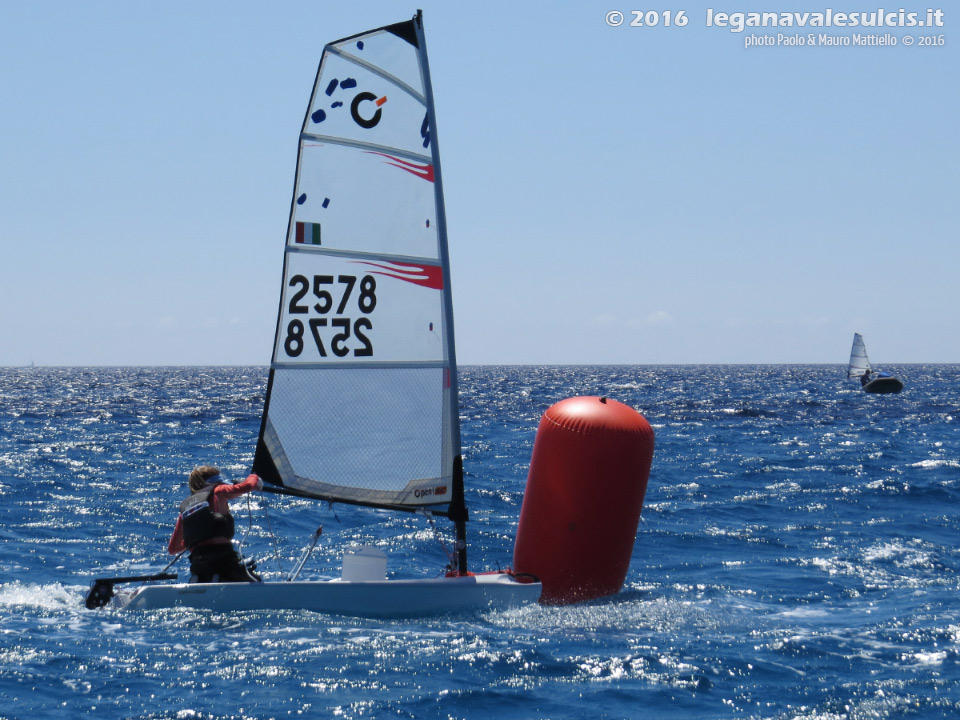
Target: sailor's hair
<point x="201" y="476"/>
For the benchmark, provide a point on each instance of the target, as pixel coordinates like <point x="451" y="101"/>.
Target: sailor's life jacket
<point x="199" y="520"/>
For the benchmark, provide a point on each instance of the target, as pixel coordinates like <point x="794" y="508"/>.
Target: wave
<point x="46" y="597"/>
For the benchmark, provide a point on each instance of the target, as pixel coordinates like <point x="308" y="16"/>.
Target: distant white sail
<point x="859" y="362"/>
<point x="361" y="404"/>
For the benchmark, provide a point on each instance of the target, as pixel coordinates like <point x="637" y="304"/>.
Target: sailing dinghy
<point x="859" y="367"/>
<point x="362" y="404"/>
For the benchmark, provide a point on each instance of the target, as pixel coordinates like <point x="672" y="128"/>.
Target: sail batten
<point x="419" y="157"/>
<point x="335" y="365"/>
<point x="363" y="256"/>
<point x="362" y="395"/>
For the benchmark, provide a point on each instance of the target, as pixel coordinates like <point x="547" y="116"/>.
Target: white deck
<point x="372" y="598"/>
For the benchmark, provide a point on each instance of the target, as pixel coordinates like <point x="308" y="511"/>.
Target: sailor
<point x="205" y="526"/>
<point x="865" y="378"/>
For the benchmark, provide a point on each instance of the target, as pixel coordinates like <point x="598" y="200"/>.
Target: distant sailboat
<point x="859" y="367"/>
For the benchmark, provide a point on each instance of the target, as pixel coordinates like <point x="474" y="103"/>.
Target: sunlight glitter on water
<point x="795" y="532"/>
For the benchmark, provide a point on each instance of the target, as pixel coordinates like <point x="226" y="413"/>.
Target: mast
<point x="457" y="511"/>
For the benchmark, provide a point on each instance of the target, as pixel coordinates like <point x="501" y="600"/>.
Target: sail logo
<point x="429" y="492"/>
<point x="358" y="109"/>
<point x="374" y="119"/>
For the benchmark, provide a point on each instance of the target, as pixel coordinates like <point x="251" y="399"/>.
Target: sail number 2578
<point x="331" y="296"/>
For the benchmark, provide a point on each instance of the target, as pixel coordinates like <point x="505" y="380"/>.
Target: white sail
<point x="361" y="403"/>
<point x="859" y="363"/>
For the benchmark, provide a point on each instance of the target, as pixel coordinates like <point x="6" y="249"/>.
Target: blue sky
<point x="614" y="194"/>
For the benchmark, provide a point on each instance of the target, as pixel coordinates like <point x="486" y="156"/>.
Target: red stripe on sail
<point x="421" y="171"/>
<point x="429" y="276"/>
<point x="299" y="232"/>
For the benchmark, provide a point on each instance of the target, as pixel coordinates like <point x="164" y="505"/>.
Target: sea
<point x="796" y="556"/>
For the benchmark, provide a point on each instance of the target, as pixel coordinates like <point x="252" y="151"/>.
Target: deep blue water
<point x="797" y="556"/>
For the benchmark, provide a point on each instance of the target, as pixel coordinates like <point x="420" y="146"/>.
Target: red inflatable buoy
<point x="588" y="476"/>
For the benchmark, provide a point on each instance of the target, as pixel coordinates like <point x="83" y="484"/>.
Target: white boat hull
<point x="371" y="598"/>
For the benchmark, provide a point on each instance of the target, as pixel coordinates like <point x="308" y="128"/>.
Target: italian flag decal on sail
<point x="308" y="233"/>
